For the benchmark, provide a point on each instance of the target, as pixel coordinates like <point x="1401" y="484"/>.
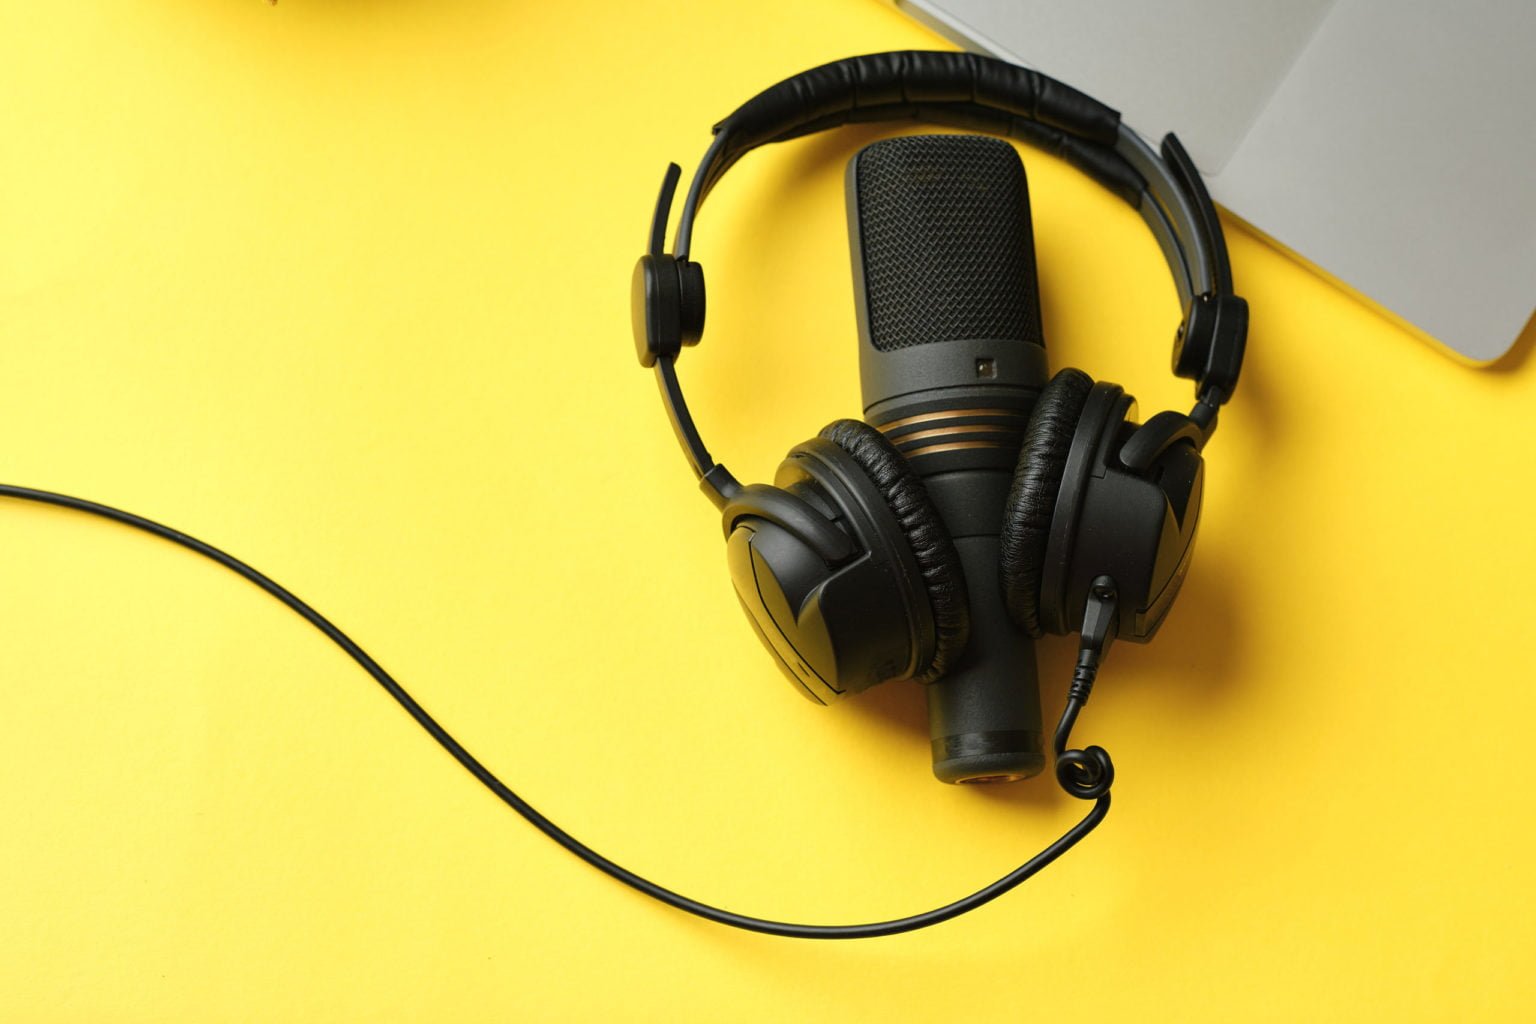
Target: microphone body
<point x="951" y="361"/>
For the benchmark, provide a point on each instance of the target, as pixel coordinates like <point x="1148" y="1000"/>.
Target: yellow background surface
<point x="342" y="287"/>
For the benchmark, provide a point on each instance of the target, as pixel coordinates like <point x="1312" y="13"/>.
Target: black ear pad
<point x="931" y="547"/>
<point x="1032" y="498"/>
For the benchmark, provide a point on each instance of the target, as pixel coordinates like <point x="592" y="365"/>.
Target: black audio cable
<point x="1084" y="774"/>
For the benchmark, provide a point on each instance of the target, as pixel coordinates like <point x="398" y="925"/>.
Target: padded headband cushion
<point x="909" y="78"/>
<point x="935" y="553"/>
<point x="1032" y="498"/>
<point x="963" y="90"/>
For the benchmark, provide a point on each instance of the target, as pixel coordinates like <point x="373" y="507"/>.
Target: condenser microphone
<point x="951" y="360"/>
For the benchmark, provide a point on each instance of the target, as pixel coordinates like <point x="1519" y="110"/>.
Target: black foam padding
<point x="945" y="242"/>
<point x="1032" y="498"/>
<point x="909" y="78"/>
<point x="964" y="90"/>
<point x="931" y="546"/>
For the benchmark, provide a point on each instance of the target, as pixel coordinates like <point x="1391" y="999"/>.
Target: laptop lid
<point x="1386" y="142"/>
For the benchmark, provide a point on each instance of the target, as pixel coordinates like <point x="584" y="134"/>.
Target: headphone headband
<point x="964" y="90"/>
<point x="983" y="94"/>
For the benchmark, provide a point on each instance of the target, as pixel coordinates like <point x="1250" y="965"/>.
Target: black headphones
<point x="844" y="565"/>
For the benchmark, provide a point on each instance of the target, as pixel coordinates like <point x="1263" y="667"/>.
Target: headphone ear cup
<point x="1032" y="498"/>
<point x="924" y="533"/>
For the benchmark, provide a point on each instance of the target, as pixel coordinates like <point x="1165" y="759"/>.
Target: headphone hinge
<point x="1208" y="347"/>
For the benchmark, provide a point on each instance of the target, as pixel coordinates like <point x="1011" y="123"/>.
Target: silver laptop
<point x="1390" y="143"/>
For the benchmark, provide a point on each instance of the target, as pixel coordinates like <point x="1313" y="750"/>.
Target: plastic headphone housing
<point x="666" y="306"/>
<point x="1208" y="347"/>
<point x="1138" y="528"/>
<point x="835" y="628"/>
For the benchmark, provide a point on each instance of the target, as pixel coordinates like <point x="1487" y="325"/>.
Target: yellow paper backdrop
<point x="342" y="286"/>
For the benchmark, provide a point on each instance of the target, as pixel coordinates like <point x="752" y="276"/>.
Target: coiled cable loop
<point x="1084" y="773"/>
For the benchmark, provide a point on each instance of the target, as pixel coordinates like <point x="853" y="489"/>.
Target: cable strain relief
<point x="1083" y="675"/>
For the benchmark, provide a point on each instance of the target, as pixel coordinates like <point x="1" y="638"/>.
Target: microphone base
<point x="984" y="715"/>
<point x="977" y="757"/>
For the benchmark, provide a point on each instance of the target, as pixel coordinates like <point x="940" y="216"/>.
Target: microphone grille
<point x="944" y="238"/>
